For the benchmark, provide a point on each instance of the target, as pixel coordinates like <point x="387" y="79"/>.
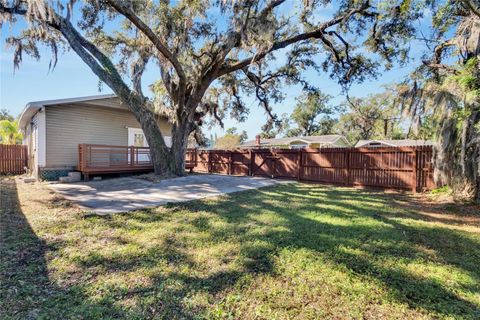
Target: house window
<point x="138" y="140"/>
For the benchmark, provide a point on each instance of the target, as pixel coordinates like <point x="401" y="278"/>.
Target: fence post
<point x="196" y="157"/>
<point x="209" y="163"/>
<point x="429" y="183"/>
<point x="274" y="162"/>
<point x="420" y="169"/>
<point x="252" y="163"/>
<point x="414" y="173"/>
<point x="347" y="155"/>
<point x="299" y="163"/>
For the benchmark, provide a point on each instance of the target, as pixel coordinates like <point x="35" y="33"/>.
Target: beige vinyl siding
<point x="70" y="125"/>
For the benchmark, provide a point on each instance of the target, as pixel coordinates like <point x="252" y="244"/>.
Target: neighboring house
<point x="393" y="143"/>
<point x="325" y="141"/>
<point x="53" y="130"/>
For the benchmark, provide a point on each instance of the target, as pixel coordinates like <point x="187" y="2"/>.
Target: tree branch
<point x="441" y="66"/>
<point x="167" y="81"/>
<point x="12" y="10"/>
<point x="438" y="51"/>
<point x="345" y="43"/>
<point x="269" y="8"/>
<point x="94" y="58"/>
<point x="470" y="5"/>
<point x="436" y="61"/>
<point x="137" y="71"/>
<point x="257" y="82"/>
<point x="121" y="8"/>
<point x="318" y="33"/>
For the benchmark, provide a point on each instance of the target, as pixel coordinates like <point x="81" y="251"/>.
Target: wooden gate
<point x="13" y="159"/>
<point x="263" y="163"/>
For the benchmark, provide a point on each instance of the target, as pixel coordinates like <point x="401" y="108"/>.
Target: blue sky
<point x="72" y="78"/>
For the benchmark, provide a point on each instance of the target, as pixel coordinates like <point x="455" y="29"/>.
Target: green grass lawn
<point x="291" y="251"/>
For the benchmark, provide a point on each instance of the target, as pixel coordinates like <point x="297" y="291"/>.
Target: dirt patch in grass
<point x="291" y="251"/>
<point x="442" y="210"/>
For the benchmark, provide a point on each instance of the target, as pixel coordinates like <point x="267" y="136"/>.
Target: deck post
<point x="132" y="156"/>
<point x="80" y="157"/>
<point x="89" y="155"/>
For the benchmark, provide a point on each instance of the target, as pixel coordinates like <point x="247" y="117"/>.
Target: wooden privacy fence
<point x="13" y="159"/>
<point x="392" y="167"/>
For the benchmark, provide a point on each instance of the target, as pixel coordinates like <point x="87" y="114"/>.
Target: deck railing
<point x="105" y="158"/>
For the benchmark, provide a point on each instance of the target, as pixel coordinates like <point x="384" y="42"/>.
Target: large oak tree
<point x="444" y="95"/>
<point x="210" y="54"/>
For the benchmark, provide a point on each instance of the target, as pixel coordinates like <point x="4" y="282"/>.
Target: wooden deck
<point x="104" y="159"/>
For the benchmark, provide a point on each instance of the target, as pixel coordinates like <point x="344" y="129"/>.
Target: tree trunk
<point x="444" y="152"/>
<point x="162" y="160"/>
<point x="471" y="156"/>
<point x="180" y="135"/>
<point x="167" y="161"/>
<point x="457" y="163"/>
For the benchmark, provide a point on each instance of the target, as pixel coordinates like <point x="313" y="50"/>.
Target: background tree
<point x="231" y="140"/>
<point x="5" y="115"/>
<point x="270" y="134"/>
<point x="312" y="115"/>
<point x="444" y="96"/>
<point x="374" y="117"/>
<point x="10" y="133"/>
<point x="276" y="126"/>
<point x="210" y="54"/>
<point x="233" y="131"/>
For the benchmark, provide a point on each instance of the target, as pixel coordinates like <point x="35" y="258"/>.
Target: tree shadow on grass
<point x="297" y="210"/>
<point x="388" y="238"/>
<point x="27" y="292"/>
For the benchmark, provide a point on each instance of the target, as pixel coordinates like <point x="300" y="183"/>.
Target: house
<point x="325" y="141"/>
<point x="54" y="129"/>
<point x="393" y="143"/>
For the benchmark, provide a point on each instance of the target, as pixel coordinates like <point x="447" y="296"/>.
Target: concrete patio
<point x="126" y="194"/>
